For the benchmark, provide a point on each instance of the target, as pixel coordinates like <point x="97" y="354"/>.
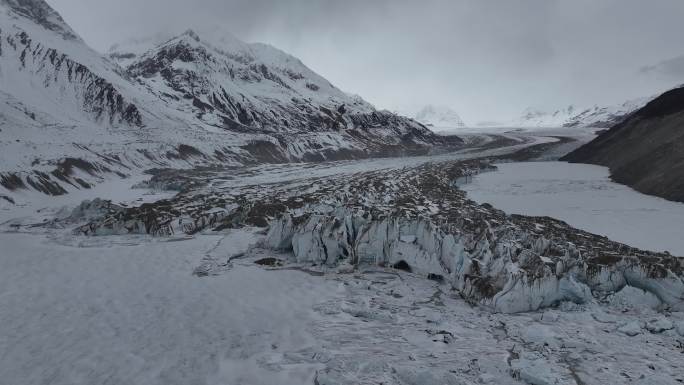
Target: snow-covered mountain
<point x="439" y="117"/>
<point x="226" y="83"/>
<point x="64" y="109"/>
<point x="572" y="116"/>
<point x="221" y="83"/>
<point x="70" y="117"/>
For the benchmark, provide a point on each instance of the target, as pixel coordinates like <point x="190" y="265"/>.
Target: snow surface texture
<point x="586" y="198"/>
<point x="128" y="310"/>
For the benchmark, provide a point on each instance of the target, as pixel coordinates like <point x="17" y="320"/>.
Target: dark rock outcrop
<point x="99" y="98"/>
<point x="646" y="151"/>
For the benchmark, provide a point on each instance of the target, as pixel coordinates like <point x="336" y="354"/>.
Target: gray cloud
<point x="487" y="59"/>
<point x="670" y="69"/>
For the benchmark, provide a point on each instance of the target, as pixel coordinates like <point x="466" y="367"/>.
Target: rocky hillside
<point x="71" y="118"/>
<point x="646" y="151"/>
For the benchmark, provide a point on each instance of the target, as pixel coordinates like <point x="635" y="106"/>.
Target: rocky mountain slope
<point x="385" y="253"/>
<point x="572" y="116"/>
<point x="70" y="118"/>
<point x="646" y="151"/>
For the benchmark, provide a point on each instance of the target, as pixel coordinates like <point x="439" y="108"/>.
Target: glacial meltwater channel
<point x="584" y="197"/>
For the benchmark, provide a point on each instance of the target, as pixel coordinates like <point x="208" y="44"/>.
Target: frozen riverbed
<point x="586" y="198"/>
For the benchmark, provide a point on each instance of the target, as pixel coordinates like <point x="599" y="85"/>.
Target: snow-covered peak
<point x="536" y="117"/>
<point x="439" y="117"/>
<point x="224" y="81"/>
<point x="127" y="51"/>
<point x="573" y="116"/>
<point x="217" y="39"/>
<point x="222" y="52"/>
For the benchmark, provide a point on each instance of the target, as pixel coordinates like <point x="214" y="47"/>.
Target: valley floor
<point x="197" y="309"/>
<point x="584" y="197"/>
<point x="128" y="310"/>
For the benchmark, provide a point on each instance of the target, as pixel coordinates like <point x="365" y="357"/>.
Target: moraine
<point x="584" y="197"/>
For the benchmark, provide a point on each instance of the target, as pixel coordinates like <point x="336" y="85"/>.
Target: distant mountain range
<point x="440" y="117"/>
<point x="71" y="117"/>
<point x="572" y="116"/>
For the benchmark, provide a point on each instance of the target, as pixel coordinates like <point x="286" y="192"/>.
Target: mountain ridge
<point x="573" y="116"/>
<point x="72" y="118"/>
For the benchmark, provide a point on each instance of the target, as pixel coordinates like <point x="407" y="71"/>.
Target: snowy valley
<point x="189" y="208"/>
<point x="572" y="116"/>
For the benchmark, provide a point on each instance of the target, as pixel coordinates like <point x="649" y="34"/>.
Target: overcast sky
<point x="488" y="60"/>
